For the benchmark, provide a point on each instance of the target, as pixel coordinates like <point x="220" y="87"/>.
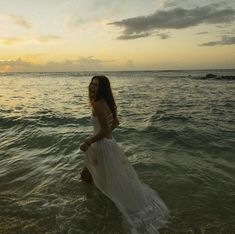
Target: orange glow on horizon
<point x="6" y="69"/>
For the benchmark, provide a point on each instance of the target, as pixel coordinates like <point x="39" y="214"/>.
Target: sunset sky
<point x="88" y="35"/>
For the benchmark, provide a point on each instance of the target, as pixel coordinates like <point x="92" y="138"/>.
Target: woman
<point x="110" y="170"/>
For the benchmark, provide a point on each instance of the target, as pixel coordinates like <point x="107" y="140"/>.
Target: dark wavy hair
<point x="104" y="92"/>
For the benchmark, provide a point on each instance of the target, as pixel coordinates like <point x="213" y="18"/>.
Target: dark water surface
<point x="177" y="130"/>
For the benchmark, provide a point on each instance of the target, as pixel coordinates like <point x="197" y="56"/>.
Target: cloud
<point x="225" y="40"/>
<point x="133" y="36"/>
<point x="191" y="3"/>
<point x="163" y="35"/>
<point x="33" y="57"/>
<point x="176" y="18"/>
<point x="89" y="63"/>
<point x="201" y="33"/>
<point x="42" y="39"/>
<point x="47" y="38"/>
<point x="169" y="3"/>
<point x="15" y="65"/>
<point x="9" y="41"/>
<point x="18" y="62"/>
<point x="21" y="21"/>
<point x="129" y="63"/>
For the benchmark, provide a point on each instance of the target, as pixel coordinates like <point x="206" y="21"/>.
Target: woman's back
<point x="103" y="114"/>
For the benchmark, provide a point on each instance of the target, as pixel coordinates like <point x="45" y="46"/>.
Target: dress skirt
<point x="113" y="174"/>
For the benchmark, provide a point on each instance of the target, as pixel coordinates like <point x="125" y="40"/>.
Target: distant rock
<point x="210" y="75"/>
<point x="216" y="77"/>
<point x="227" y="77"/>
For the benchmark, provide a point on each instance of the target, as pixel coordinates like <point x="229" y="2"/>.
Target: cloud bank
<point x="82" y="64"/>
<point x="176" y="18"/>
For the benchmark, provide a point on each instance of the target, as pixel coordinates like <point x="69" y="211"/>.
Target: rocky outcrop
<point x="216" y="77"/>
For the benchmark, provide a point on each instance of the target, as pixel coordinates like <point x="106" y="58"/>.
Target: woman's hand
<point x="85" y="145"/>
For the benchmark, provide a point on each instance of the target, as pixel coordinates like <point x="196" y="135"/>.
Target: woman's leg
<point x="86" y="175"/>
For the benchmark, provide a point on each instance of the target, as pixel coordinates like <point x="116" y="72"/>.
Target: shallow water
<point x="177" y="130"/>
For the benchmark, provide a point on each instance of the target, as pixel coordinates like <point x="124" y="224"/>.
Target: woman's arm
<point x="107" y="122"/>
<point x="100" y="111"/>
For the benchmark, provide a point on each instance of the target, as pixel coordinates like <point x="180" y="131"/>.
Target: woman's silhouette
<point x="111" y="171"/>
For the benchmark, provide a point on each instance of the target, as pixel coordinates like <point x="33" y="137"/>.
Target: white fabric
<point x="116" y="178"/>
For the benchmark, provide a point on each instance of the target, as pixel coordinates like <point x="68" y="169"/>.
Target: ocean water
<point x="177" y="130"/>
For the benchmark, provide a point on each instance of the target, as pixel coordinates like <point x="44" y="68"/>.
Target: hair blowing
<point x="104" y="92"/>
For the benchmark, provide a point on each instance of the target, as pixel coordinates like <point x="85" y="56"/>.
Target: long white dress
<point x="113" y="174"/>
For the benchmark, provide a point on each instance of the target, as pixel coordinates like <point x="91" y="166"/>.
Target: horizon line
<point x="140" y="70"/>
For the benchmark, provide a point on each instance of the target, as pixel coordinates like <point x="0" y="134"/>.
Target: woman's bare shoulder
<point x="98" y="106"/>
<point x="101" y="106"/>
